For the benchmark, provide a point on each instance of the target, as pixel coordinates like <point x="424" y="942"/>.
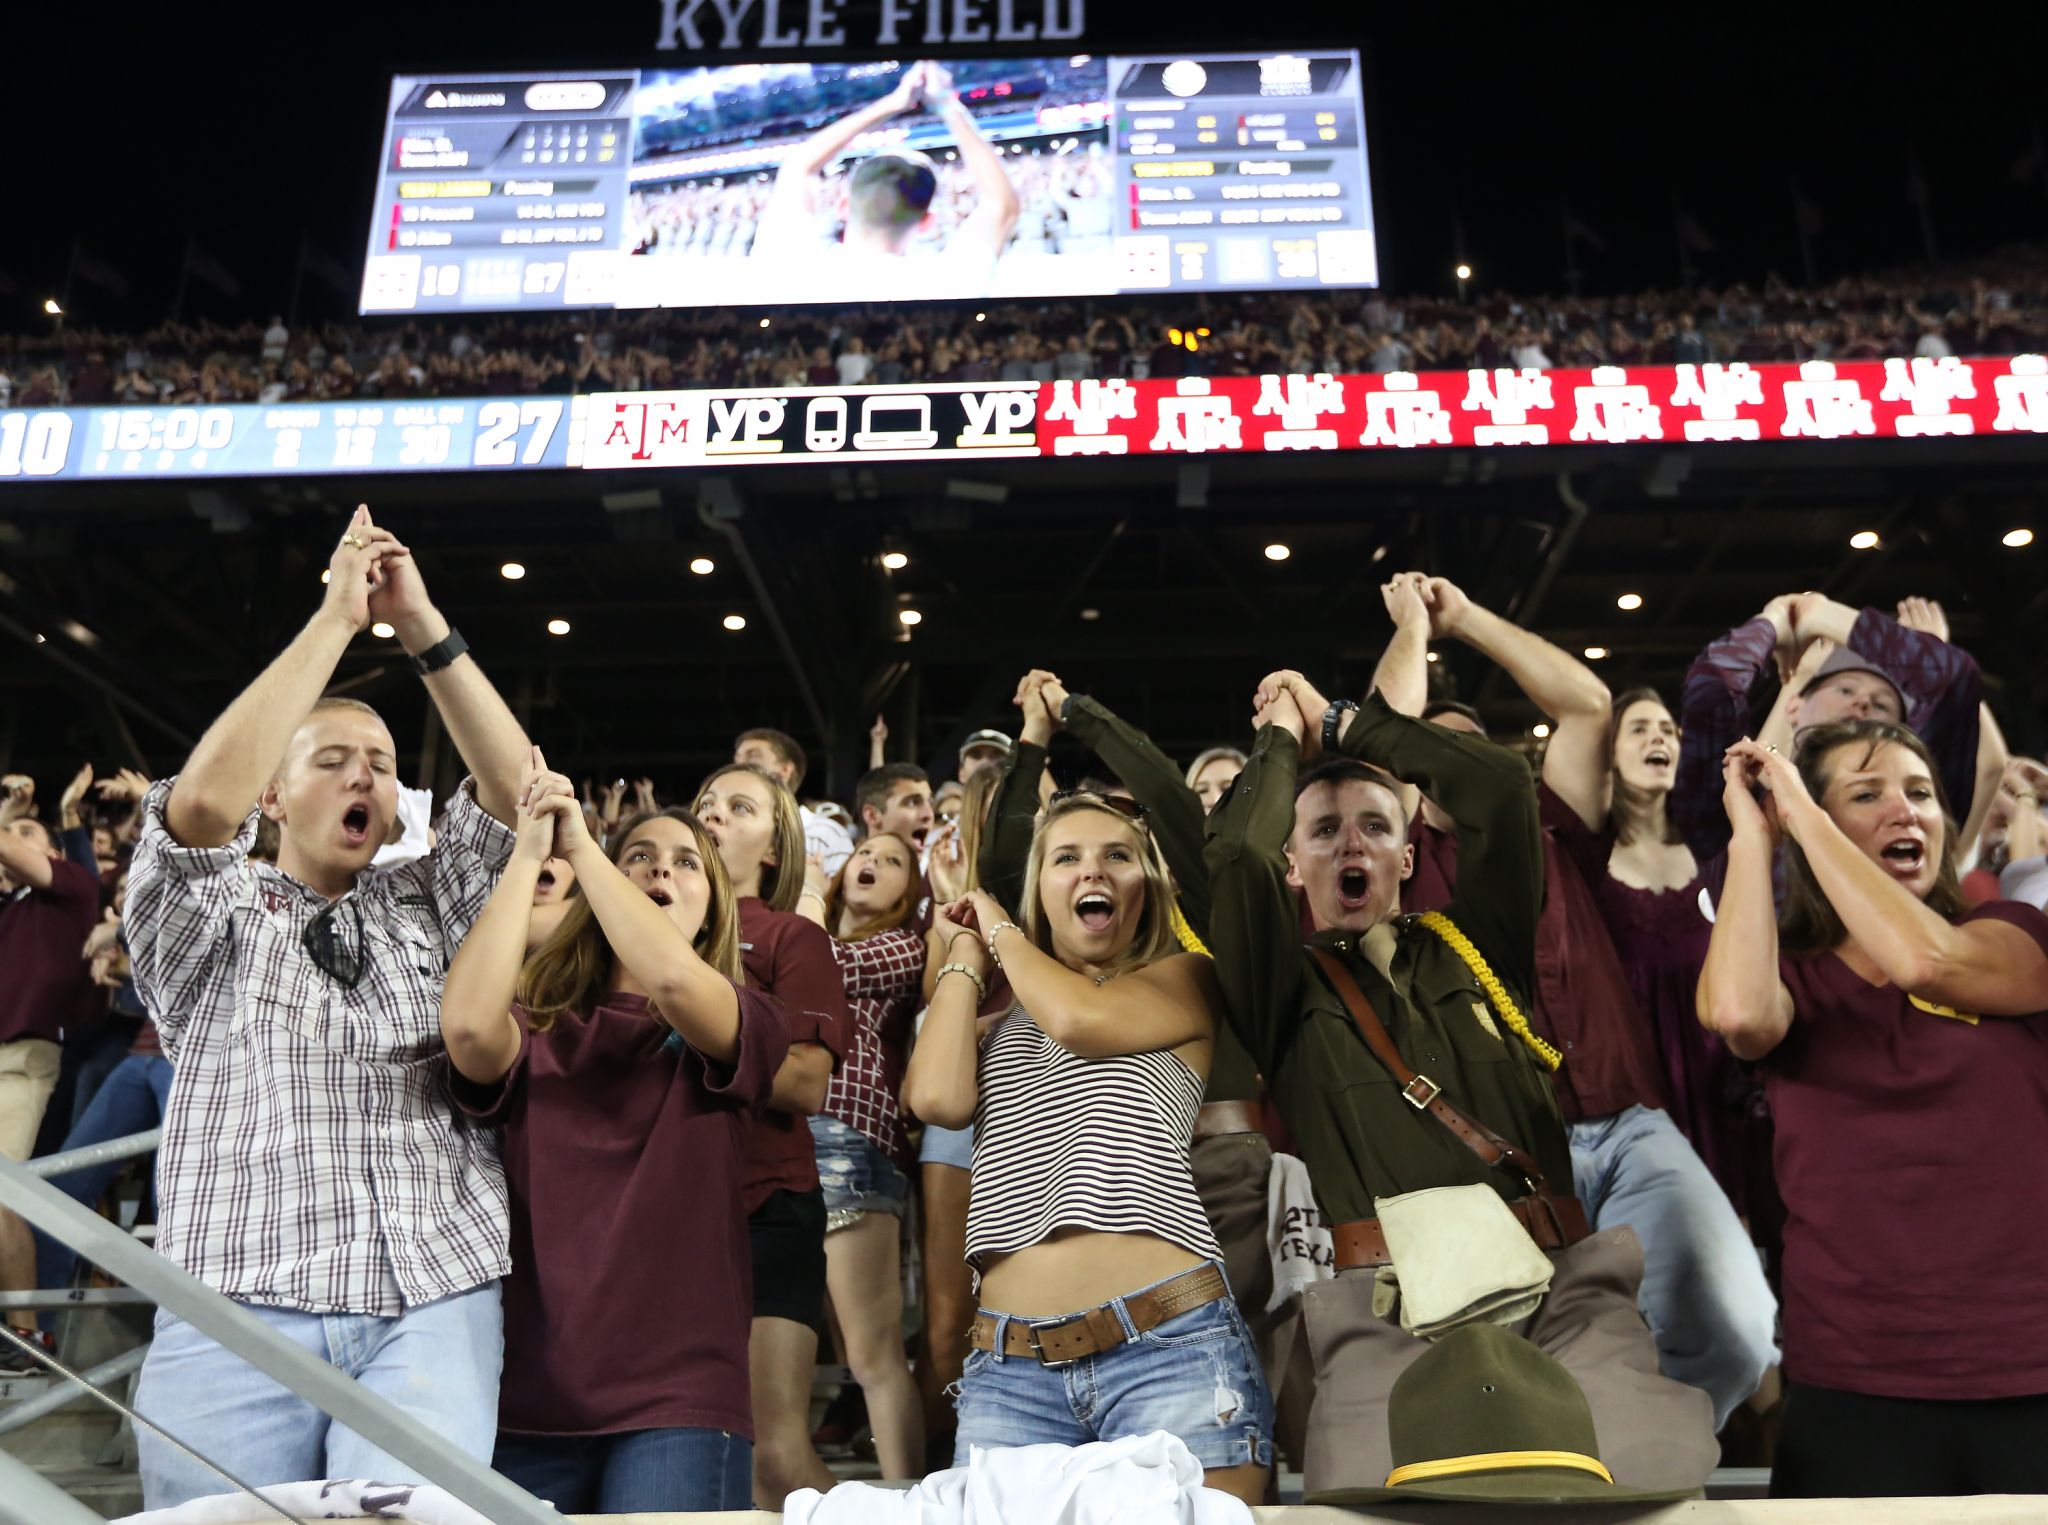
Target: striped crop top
<point x="1066" y="1142"/>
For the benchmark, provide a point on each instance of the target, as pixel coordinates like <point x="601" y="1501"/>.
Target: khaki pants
<point x="1653" y="1432"/>
<point x="28" y="1074"/>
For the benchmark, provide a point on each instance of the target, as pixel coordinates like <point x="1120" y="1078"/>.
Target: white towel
<point x="416" y="835"/>
<point x="346" y="1498"/>
<point x="1139" y="1480"/>
<point x="1296" y="1236"/>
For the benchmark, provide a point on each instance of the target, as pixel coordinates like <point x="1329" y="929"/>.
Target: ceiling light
<point x="1629" y="602"/>
<point x="1863" y="540"/>
<point x="1432" y="656"/>
<point x="1464" y="272"/>
<point x="1539" y="730"/>
<point x="764" y="322"/>
<point x="1173" y="337"/>
<point x="1278" y="552"/>
<point x="1595" y="653"/>
<point x="895" y="561"/>
<point x="558" y="627"/>
<point x="40" y="639"/>
<point x="51" y="307"/>
<point x="910" y="616"/>
<point x="703" y="566"/>
<point x="981" y="317"/>
<point x="2018" y="538"/>
<point x="735" y="622"/>
<point x="382" y="631"/>
<point x="1091" y="614"/>
<point x="512" y="571"/>
<point x="327" y="574"/>
<point x="1379" y="553"/>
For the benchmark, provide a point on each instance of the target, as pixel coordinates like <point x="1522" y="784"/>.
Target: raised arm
<point x="1715" y="705"/>
<point x="492" y="743"/>
<point x="1402" y="677"/>
<point x="1254" y="915"/>
<point x="1173" y="814"/>
<point x="477" y="1023"/>
<point x="1575" y="764"/>
<point x="1013" y="809"/>
<point x="1987" y="967"/>
<point x="1992" y="758"/>
<point x="817" y="152"/>
<point x="1740" y="995"/>
<point x="942" y="1081"/>
<point x="988" y="227"/>
<point x="241" y="751"/>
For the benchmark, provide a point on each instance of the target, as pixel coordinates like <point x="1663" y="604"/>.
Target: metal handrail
<point x="94" y="1154"/>
<point x="29" y="1498"/>
<point x="375" y="1418"/>
<point x="67" y="1389"/>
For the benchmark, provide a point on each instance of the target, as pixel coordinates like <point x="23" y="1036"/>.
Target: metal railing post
<point x="379" y="1421"/>
<point x="94" y="1154"/>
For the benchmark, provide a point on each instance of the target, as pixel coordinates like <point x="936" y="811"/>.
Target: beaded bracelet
<point x="980" y="984"/>
<point x="989" y="937"/>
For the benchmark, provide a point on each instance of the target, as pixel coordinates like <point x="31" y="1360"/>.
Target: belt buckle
<point x="1038" y="1346"/>
<point x="1420" y="1103"/>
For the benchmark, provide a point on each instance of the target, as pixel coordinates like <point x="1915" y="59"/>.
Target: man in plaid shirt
<point x="312" y="1166"/>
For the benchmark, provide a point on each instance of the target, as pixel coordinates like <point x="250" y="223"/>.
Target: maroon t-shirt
<point x="631" y="1290"/>
<point x="45" y="983"/>
<point x="790" y="958"/>
<point x="1909" y="1150"/>
<point x="1581" y="1003"/>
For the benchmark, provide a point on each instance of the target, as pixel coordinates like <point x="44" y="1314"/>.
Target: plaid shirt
<point x="884" y="975"/>
<point x="311" y="1157"/>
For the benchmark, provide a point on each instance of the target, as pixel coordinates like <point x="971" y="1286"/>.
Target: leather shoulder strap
<point x="1419" y="1091"/>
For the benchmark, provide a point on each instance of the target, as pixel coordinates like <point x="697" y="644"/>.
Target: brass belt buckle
<point x="1038" y="1345"/>
<point x="1421" y="1103"/>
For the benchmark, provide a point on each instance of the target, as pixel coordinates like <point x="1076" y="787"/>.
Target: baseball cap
<point x="1844" y="659"/>
<point x="987" y="738"/>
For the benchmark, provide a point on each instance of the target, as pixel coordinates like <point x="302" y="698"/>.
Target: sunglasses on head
<point x="1122" y="805"/>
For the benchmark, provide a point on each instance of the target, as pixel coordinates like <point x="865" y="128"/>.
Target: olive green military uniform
<point x="1361" y="1139"/>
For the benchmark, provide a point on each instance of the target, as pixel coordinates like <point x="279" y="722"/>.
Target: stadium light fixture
<point x="981" y="317"/>
<point x="512" y="571"/>
<point x="2015" y="539"/>
<point x="735" y="622"/>
<point x="1091" y="614"/>
<point x="895" y="561"/>
<point x="1863" y="540"/>
<point x="703" y="566"/>
<point x="1629" y="602"/>
<point x="765" y="322"/>
<point x="382" y="631"/>
<point x="910" y="616"/>
<point x="1192" y="344"/>
<point x="558" y="627"/>
<point x="1540" y="731"/>
<point x="1432" y="656"/>
<point x="51" y="307"/>
<point x="1202" y="332"/>
<point x="1595" y="653"/>
<point x="1278" y="552"/>
<point x="1173" y="337"/>
<point x="41" y="638"/>
<point x="1464" y="272"/>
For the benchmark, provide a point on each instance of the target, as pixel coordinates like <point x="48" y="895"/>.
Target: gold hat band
<point x="1494" y="1461"/>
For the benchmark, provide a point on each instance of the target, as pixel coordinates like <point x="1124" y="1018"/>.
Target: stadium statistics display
<point x="761" y="184"/>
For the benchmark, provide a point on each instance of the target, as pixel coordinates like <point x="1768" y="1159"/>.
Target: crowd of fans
<point x="1987" y="310"/>
<point x="655" y="1095"/>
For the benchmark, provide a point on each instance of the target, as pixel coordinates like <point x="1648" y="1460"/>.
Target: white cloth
<point x="1139" y="1480"/>
<point x="415" y="817"/>
<point x="1296" y="1236"/>
<point x="345" y="1498"/>
<point x="2025" y="880"/>
<point x="826" y="839"/>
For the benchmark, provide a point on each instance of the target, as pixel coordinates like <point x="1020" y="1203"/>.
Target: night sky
<point x="252" y="126"/>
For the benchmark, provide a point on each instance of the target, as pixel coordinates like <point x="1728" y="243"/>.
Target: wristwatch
<point x="441" y="653"/>
<point x="1333" y="717"/>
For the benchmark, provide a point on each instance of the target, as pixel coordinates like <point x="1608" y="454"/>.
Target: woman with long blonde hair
<point x="1097" y="1264"/>
<point x="623" y="1062"/>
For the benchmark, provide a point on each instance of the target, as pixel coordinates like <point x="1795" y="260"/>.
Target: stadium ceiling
<point x="1146" y="583"/>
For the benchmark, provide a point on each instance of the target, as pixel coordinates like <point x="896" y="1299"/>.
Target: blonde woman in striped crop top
<point x="1103" y="1307"/>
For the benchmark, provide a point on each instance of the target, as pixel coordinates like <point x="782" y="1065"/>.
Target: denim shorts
<point x="1196" y="1376"/>
<point x="856" y="1176"/>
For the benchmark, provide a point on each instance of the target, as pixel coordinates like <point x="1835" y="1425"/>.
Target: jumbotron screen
<point x="763" y="184"/>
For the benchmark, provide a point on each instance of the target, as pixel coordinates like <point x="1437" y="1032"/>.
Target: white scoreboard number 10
<point x="33" y="447"/>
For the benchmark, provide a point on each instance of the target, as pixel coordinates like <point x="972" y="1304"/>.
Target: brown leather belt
<point x="1555" y="1223"/>
<point x="1217" y="1117"/>
<point x="1064" y="1341"/>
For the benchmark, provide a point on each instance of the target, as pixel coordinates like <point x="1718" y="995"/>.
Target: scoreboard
<point x="733" y="185"/>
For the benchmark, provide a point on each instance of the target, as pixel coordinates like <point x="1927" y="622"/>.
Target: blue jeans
<point x="635" y="1472"/>
<point x="855" y="1176"/>
<point x="130" y="1100"/>
<point x="1704" y="1295"/>
<point x="1197" y="1376"/>
<point x="98" y="1057"/>
<point x="439" y="1362"/>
